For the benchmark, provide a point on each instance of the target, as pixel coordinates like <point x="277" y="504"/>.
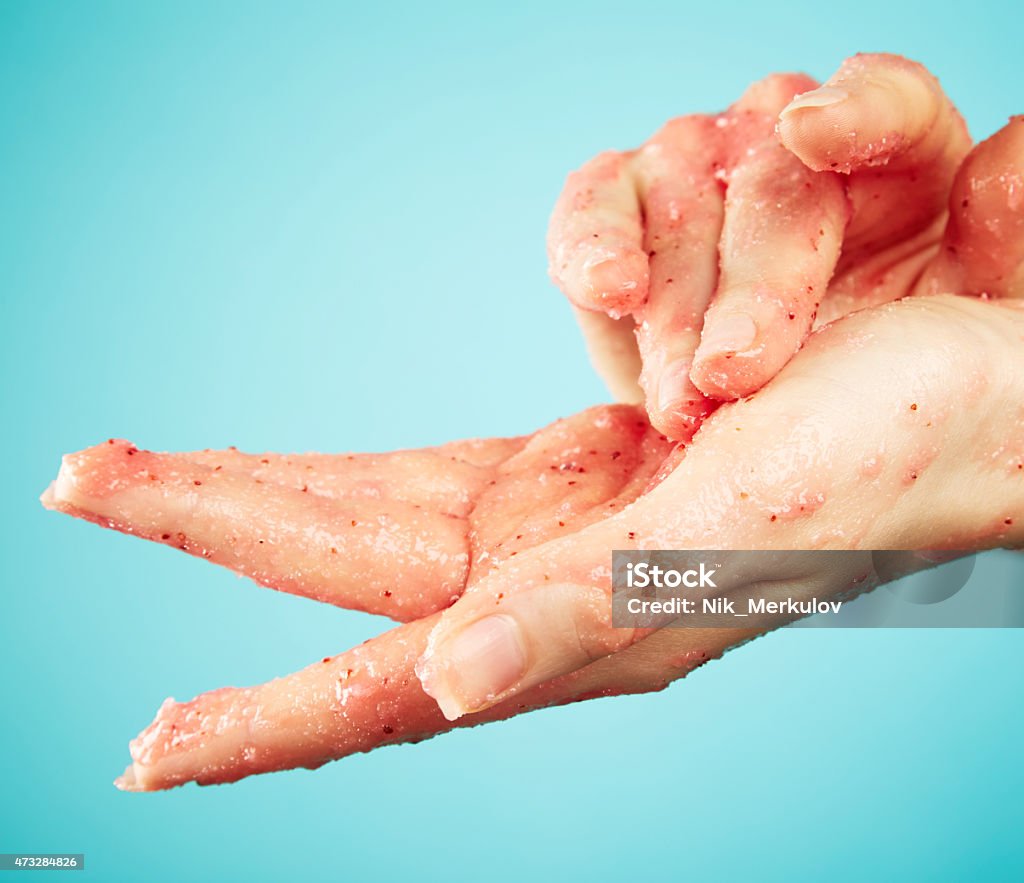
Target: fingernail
<point x="476" y="666"/>
<point x="728" y="333"/>
<point x="823" y="97"/>
<point x="48" y="498"/>
<point x="616" y="279"/>
<point x="610" y="274"/>
<point x="674" y="385"/>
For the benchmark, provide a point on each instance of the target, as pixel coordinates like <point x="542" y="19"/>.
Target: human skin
<point x="900" y="426"/>
<point x="699" y="263"/>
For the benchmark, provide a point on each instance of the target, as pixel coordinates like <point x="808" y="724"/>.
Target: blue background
<point x="300" y="226"/>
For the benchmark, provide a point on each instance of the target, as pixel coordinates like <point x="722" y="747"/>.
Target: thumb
<point x="514" y="631"/>
<point x="611" y="345"/>
<point x="521" y="627"/>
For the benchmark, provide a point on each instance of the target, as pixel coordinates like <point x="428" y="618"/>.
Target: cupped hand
<point x="724" y="239"/>
<point x="861" y="442"/>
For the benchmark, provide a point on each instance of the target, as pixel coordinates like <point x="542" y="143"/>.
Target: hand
<point x="880" y="416"/>
<point x="721" y="244"/>
<point x="897" y="427"/>
<point x="398" y="534"/>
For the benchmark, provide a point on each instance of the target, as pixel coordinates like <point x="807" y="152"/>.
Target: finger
<point x="780" y="243"/>
<point x="982" y="249"/>
<point x="348" y="552"/>
<point x="344" y="704"/>
<point x="363" y="699"/>
<point x="595" y="238"/>
<point x="876" y="110"/>
<point x="886" y="120"/>
<point x="770" y="95"/>
<point x="611" y="345"/>
<point x="443" y="479"/>
<point x="683" y="218"/>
